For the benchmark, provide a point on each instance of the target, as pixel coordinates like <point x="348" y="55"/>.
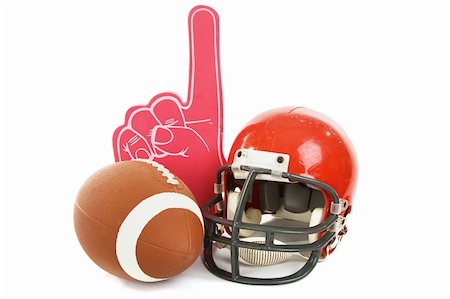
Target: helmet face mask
<point x="235" y="242"/>
<point x="302" y="215"/>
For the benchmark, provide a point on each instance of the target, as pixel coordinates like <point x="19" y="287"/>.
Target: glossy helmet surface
<point x="291" y="164"/>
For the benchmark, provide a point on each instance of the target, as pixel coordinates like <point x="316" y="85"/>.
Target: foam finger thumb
<point x="177" y="141"/>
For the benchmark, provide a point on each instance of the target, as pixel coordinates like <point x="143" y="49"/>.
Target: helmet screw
<point x="239" y="154"/>
<point x="280" y="159"/>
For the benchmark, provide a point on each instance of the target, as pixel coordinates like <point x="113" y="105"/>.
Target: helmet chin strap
<point x="254" y="257"/>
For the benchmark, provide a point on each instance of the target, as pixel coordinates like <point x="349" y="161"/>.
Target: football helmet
<point x="287" y="191"/>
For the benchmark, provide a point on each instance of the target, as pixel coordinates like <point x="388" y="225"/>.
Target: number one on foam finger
<point x="186" y="137"/>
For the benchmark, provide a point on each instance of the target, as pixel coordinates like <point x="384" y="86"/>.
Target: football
<point x="138" y="221"/>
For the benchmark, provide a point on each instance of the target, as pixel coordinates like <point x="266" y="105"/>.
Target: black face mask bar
<point x="213" y="234"/>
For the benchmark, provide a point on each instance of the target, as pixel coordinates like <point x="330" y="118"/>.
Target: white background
<point x="380" y="69"/>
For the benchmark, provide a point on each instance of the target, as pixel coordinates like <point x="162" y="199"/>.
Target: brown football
<point x="138" y="221"/>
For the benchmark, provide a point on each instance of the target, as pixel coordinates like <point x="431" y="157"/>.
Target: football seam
<point x="164" y="171"/>
<point x="139" y="240"/>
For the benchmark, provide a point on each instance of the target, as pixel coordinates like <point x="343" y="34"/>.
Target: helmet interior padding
<point x="294" y="198"/>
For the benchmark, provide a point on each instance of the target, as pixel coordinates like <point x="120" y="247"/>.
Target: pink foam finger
<point x="186" y="137"/>
<point x="205" y="110"/>
<point x="205" y="88"/>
